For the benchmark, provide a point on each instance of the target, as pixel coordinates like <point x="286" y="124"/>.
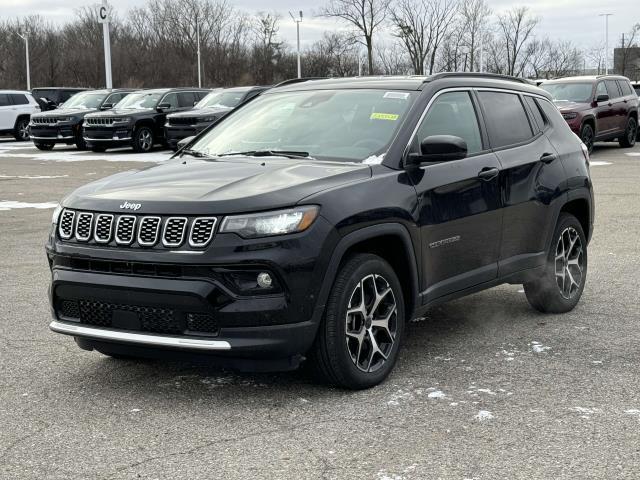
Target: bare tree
<point x="516" y="27"/>
<point x="628" y="40"/>
<point x="336" y="54"/>
<point x="366" y="17"/>
<point x="474" y="19"/>
<point x="411" y="21"/>
<point x="393" y="59"/>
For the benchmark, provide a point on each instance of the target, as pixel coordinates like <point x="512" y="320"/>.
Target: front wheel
<point x="587" y="135"/>
<point x="559" y="289"/>
<point x="21" y="130"/>
<point x="143" y="140"/>
<point x="358" y="341"/>
<point x="628" y="140"/>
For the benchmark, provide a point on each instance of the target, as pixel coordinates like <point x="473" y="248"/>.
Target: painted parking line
<point x="10" y="205"/>
<point x="598" y="163"/>
<point x="633" y="154"/>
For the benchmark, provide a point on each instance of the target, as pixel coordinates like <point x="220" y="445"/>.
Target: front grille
<point x="100" y="121"/>
<point x="45" y="120"/>
<point x="125" y="229"/>
<point x="66" y="224"/>
<point x="173" y="234"/>
<point x="104" y="226"/>
<point x="183" y="121"/>
<point x="137" y="317"/>
<point x="148" y="233"/>
<point x="83" y="226"/>
<point x="201" y="231"/>
<point x="108" y="229"/>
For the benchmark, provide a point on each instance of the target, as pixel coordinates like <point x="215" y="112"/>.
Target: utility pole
<point x="25" y="37"/>
<point x="606" y="41"/>
<point x="104" y="15"/>
<point x="198" y="40"/>
<point x="298" y="21"/>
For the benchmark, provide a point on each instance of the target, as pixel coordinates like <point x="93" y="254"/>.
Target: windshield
<point x="221" y="100"/>
<point x="85" y="100"/>
<point x="140" y="100"/>
<point x="569" y="92"/>
<point x="345" y="125"/>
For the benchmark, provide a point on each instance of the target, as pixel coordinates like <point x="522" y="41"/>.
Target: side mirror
<point x="106" y="106"/>
<point x="163" y="106"/>
<point x="439" y="148"/>
<point x="185" y="141"/>
<point x="602" y="98"/>
<point x="195" y="103"/>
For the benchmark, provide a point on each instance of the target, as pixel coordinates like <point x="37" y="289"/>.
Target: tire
<point x="555" y="293"/>
<point x="98" y="149"/>
<point x="628" y="140"/>
<point x="587" y="135"/>
<point x="343" y="353"/>
<point x="80" y="143"/>
<point x="21" y="130"/>
<point x="143" y="140"/>
<point x="44" y="146"/>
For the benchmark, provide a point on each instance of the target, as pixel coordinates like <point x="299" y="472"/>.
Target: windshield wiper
<point x="193" y="153"/>
<point x="269" y="153"/>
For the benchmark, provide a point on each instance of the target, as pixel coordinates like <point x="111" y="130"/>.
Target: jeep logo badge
<point x="130" y="206"/>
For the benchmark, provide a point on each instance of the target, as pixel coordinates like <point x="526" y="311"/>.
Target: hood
<point x="123" y="112"/>
<point x="200" y="112"/>
<point x="229" y="185"/>
<point x="65" y="112"/>
<point x="569" y="106"/>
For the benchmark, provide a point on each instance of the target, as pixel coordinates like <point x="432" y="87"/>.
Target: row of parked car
<point x="597" y="108"/>
<point x="110" y="118"/>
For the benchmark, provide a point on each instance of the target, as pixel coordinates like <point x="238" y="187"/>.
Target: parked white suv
<point x="16" y="108"/>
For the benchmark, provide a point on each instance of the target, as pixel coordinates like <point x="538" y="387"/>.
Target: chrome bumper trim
<point x="87" y="139"/>
<point x="138" y="338"/>
<point x="51" y="138"/>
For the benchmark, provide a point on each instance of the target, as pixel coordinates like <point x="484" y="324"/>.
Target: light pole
<point x="198" y="40"/>
<point x="298" y="21"/>
<point x="25" y="37"/>
<point x="606" y="40"/>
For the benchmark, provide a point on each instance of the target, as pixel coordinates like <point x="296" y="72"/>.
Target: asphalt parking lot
<point x="485" y="387"/>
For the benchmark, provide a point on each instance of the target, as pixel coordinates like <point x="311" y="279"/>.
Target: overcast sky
<point x="575" y="20"/>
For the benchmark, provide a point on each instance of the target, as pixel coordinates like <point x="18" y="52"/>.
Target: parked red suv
<point x="597" y="108"/>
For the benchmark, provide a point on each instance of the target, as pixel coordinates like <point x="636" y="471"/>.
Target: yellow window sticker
<point x="384" y="116"/>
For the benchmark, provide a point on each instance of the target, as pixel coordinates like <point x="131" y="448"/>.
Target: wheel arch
<point x="590" y="120"/>
<point x="580" y="207"/>
<point x="375" y="239"/>
<point x="22" y="116"/>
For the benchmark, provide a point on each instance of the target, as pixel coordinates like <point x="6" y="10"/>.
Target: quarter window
<point x="451" y="114"/>
<point x="507" y="120"/>
<point x="535" y="111"/>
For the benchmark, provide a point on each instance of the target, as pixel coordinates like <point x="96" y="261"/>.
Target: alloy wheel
<point x="144" y="139"/>
<point x="587" y="138"/>
<point x="632" y="131"/>
<point x="23" y="130"/>
<point x="371" y="323"/>
<point x="569" y="262"/>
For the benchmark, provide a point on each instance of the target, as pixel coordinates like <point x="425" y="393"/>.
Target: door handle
<point x="488" y="173"/>
<point x="548" y="157"/>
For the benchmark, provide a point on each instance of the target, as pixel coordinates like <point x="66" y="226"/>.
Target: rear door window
<point x="506" y="118"/>
<point x="612" y="88"/>
<point x="625" y="87"/>
<point x="19" y="99"/>
<point x="186" y="99"/>
<point x="451" y="113"/>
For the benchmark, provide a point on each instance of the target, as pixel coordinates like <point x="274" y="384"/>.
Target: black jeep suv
<point x="138" y="120"/>
<point x="317" y="220"/>
<point x="64" y="125"/>
<point x="49" y="98"/>
<point x="208" y="111"/>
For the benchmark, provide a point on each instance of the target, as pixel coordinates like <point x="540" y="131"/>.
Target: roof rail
<point x="296" y="80"/>
<point x="496" y="76"/>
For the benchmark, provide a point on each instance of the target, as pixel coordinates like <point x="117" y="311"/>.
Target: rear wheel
<point x="21" y="130"/>
<point x="359" y="339"/>
<point x="587" y="135"/>
<point x="628" y="140"/>
<point x="559" y="289"/>
<point x="143" y="139"/>
<point x="44" y="146"/>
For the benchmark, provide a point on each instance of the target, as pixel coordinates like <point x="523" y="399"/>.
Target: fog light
<point x="264" y="280"/>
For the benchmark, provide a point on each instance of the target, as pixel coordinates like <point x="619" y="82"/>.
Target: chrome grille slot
<point x="103" y="228"/>
<point x="100" y="121"/>
<point x="148" y="231"/>
<point x="45" y="120"/>
<point x="65" y="229"/>
<point x="125" y="228"/>
<point x="173" y="233"/>
<point x="83" y="226"/>
<point x="201" y="231"/>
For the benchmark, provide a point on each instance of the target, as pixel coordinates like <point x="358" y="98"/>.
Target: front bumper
<point x="175" y="133"/>
<point x="108" y="136"/>
<point x="54" y="133"/>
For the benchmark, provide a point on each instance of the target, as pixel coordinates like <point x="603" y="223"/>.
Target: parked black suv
<point x="64" y="125"/>
<point x="209" y="110"/>
<point x="138" y="121"/>
<point x="50" y="98"/>
<point x="316" y="220"/>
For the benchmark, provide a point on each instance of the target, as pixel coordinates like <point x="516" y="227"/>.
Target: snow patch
<point x="537" y="347"/>
<point x="436" y="394"/>
<point x="11" y="205"/>
<point x="32" y="177"/>
<point x="599" y="163"/>
<point x="484" y="415"/>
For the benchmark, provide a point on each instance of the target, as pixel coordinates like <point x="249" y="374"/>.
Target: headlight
<point x="207" y="119"/>
<point x="123" y="120"/>
<point x="569" y="116"/>
<point x="265" y="224"/>
<point x="56" y="214"/>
